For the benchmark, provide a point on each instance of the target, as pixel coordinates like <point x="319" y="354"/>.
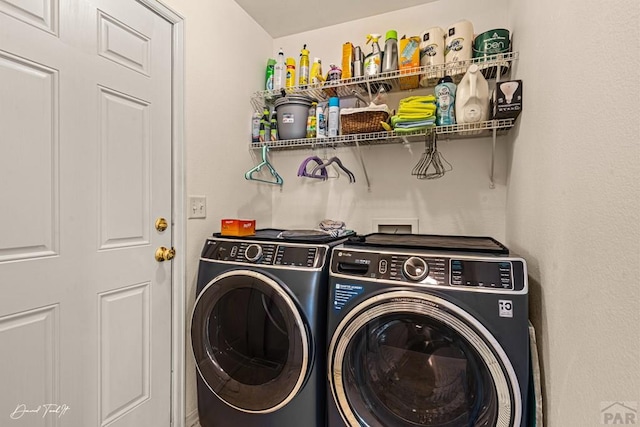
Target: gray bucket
<point x="292" y="112"/>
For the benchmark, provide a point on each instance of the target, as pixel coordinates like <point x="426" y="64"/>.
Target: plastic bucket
<point x="292" y="112"/>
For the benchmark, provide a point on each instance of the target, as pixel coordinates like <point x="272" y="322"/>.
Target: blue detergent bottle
<point x="445" y="92"/>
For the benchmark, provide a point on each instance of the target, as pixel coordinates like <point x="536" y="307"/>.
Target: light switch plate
<point x="197" y="207"/>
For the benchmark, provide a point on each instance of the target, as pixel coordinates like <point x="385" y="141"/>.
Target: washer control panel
<point x="433" y="269"/>
<point x="264" y="253"/>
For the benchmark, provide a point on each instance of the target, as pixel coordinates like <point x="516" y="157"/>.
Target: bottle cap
<point x="334" y="101"/>
<point x="317" y="60"/>
<point x="271" y="61"/>
<point x="304" y="51"/>
<point x="392" y="34"/>
<point x="445" y="79"/>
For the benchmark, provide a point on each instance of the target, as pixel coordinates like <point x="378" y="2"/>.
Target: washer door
<point x="250" y="344"/>
<point x="406" y="358"/>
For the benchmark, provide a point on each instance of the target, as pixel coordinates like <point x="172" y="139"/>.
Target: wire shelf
<point x="489" y="65"/>
<point x="474" y="130"/>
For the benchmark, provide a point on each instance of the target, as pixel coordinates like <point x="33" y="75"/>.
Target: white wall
<point x="461" y="202"/>
<point x="573" y="198"/>
<point x="225" y="60"/>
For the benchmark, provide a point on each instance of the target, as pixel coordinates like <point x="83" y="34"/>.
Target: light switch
<point x="197" y="207"/>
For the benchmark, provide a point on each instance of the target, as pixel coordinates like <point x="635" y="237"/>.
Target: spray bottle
<point x="373" y="61"/>
<point x="304" y="66"/>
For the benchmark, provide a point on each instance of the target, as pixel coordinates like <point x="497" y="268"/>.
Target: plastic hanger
<point x="277" y="179"/>
<point x="323" y="166"/>
<point x="302" y="170"/>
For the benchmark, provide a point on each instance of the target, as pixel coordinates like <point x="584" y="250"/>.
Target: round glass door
<point x="250" y="344"/>
<point x="411" y="359"/>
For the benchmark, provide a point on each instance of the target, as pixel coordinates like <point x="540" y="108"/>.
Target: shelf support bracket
<point x="364" y="168"/>
<point x="492" y="184"/>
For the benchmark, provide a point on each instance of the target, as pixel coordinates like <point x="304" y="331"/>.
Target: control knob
<point x="253" y="252"/>
<point x="415" y="269"/>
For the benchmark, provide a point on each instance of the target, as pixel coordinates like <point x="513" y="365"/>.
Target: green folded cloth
<point x="400" y="119"/>
<point x="418" y="99"/>
<point x="412" y="109"/>
<point x="413" y="129"/>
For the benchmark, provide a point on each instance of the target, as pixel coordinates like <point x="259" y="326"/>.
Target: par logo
<point x="619" y="413"/>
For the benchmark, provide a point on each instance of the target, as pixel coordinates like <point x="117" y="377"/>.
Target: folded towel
<point x="414" y="125"/>
<point x="418" y="99"/>
<point x="395" y="120"/>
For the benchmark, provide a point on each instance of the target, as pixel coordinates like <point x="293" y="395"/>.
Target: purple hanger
<point x="302" y="170"/>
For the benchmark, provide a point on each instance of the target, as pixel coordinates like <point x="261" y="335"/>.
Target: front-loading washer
<point x="427" y="331"/>
<point x="258" y="329"/>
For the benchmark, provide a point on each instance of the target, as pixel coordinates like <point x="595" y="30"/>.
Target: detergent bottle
<point x="445" y="92"/>
<point x="373" y="61"/>
<point x="472" y="98"/>
<point x="279" y="72"/>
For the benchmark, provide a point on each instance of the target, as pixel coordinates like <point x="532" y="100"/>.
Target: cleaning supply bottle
<point x="268" y="81"/>
<point x="316" y="71"/>
<point x="334" y="116"/>
<point x="255" y="127"/>
<point x="304" y="67"/>
<point x="373" y="61"/>
<point x="273" y="129"/>
<point x="311" y="121"/>
<point x="390" y="57"/>
<point x="472" y="99"/>
<point x="290" y="79"/>
<point x="358" y="63"/>
<point x="321" y="123"/>
<point x="279" y="71"/>
<point x="445" y="92"/>
<point x="265" y="133"/>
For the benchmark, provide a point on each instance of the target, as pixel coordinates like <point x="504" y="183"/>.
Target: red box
<point x="238" y="227"/>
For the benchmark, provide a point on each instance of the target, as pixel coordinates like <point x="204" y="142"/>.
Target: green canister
<point x="488" y="44"/>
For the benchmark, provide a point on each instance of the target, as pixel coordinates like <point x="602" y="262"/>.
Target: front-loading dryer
<point x="427" y="331"/>
<point x="258" y="330"/>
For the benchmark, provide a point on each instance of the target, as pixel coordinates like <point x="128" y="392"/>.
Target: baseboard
<point x="192" y="419"/>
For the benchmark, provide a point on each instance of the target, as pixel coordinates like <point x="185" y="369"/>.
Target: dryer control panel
<point x="264" y="253"/>
<point x="464" y="271"/>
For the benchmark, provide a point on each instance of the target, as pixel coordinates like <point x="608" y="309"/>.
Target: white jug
<point x="472" y="98"/>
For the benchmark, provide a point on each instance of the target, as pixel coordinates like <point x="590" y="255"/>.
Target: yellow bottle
<point x="304" y="66"/>
<point x="316" y="71"/>
<point x="291" y="72"/>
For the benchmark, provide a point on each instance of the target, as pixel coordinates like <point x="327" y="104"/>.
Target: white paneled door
<point x="85" y="160"/>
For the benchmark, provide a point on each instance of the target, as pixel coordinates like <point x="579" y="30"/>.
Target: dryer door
<point x="412" y="359"/>
<point x="250" y="343"/>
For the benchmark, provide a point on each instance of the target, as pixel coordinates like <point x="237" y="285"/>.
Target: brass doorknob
<point x="165" y="254"/>
<point x="161" y="224"/>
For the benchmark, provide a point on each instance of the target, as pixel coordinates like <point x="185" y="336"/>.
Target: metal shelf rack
<point x="345" y="87"/>
<point x="495" y="66"/>
<point x="469" y="130"/>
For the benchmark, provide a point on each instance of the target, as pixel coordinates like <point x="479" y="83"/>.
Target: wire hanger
<point x="277" y="179"/>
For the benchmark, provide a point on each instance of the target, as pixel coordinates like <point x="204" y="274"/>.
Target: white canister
<point x="432" y="46"/>
<point x="459" y="47"/>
